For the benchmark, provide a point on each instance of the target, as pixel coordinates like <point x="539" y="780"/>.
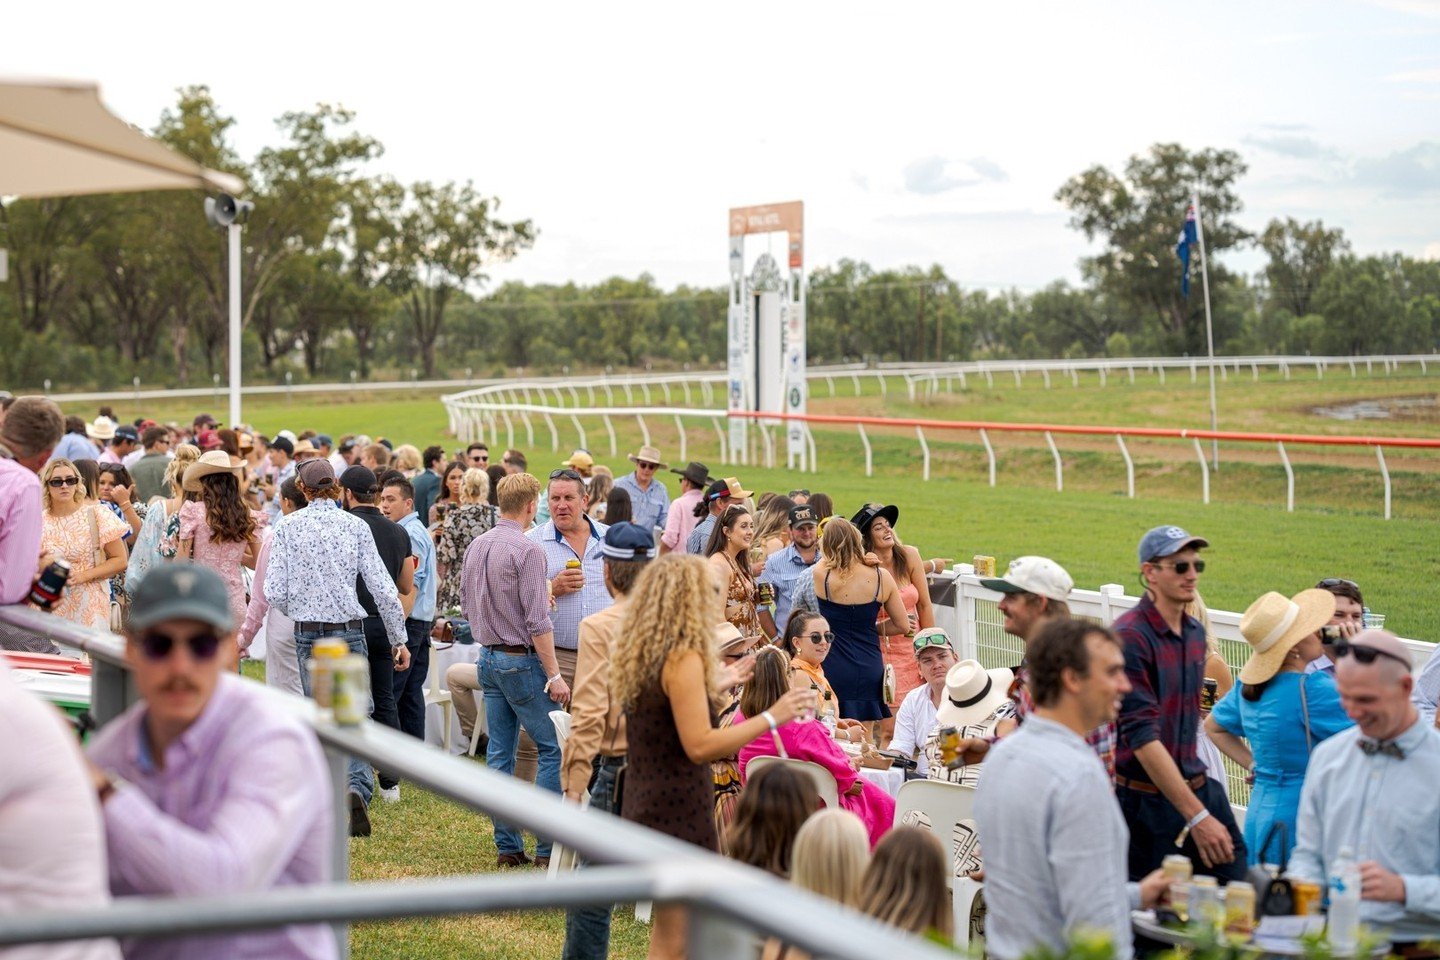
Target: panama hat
<point x="972" y="693"/>
<point x="102" y="429"/>
<point x="649" y="454"/>
<point x="1273" y="625"/>
<point x="215" y="461"/>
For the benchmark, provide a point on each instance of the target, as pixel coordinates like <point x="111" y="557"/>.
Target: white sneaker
<point x="390" y="794"/>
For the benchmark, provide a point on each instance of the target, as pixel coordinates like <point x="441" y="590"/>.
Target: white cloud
<point x="1431" y="75"/>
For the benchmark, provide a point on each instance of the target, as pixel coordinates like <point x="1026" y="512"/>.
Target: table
<point x="441" y="659"/>
<point x="1143" y="922"/>
<point x="888" y="780"/>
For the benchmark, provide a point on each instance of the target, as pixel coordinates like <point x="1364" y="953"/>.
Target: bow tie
<point x="1389" y="748"/>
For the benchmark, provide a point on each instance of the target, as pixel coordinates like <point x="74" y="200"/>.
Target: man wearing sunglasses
<point x="649" y="500"/>
<point x="1170" y="803"/>
<point x="1370" y="791"/>
<point x="206" y="788"/>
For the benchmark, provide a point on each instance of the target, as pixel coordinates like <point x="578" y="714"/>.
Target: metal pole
<point x="234" y="231"/>
<point x="1209" y="330"/>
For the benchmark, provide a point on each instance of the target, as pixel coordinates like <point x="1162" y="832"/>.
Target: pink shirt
<point x="19" y="529"/>
<point x="242" y="803"/>
<point x="52" y="850"/>
<point x="682" y="520"/>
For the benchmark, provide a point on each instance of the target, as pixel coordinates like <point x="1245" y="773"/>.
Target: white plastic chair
<point x="562" y="858"/>
<point x="947" y="810"/>
<point x="823" y="779"/>
<point x="478" y="730"/>
<point x="436" y="694"/>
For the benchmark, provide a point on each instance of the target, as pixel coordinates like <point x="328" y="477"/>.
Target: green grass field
<point x="1091" y="528"/>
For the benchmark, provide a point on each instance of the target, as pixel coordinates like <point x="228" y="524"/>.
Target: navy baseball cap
<point x="324" y="440"/>
<point x="181" y="591"/>
<point x="628" y="541"/>
<point x="127" y="432"/>
<point x="1164" y="541"/>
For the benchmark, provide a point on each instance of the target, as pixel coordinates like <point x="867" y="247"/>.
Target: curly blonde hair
<point x="673" y="609"/>
<point x="474" y="486"/>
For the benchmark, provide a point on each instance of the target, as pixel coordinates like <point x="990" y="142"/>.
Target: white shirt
<point x="913" y="723"/>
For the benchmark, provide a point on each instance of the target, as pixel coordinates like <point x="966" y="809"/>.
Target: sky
<point x="915" y="133"/>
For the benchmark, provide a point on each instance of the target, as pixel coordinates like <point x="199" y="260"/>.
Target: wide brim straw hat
<point x="102" y="429"/>
<point x="972" y="693"/>
<point x="649" y="455"/>
<point x="730" y="641"/>
<point x="1273" y="625"/>
<point x="215" y="461"/>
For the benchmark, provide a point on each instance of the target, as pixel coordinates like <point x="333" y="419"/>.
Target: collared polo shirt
<point x="591" y="598"/>
<point x="782" y="569"/>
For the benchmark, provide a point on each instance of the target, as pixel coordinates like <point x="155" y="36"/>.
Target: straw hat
<point x="1273" y="625"/>
<point x="731" y="641"/>
<point x="972" y="693"/>
<point x="215" y="461"/>
<point x="649" y="455"/>
<point x="102" y="429"/>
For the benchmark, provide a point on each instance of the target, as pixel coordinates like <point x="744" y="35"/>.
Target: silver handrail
<point x="637" y="863"/>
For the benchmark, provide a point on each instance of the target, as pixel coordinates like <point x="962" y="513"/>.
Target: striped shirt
<point x="503" y="587"/>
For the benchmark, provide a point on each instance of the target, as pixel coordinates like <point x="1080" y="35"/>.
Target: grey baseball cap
<point x="181" y="591"/>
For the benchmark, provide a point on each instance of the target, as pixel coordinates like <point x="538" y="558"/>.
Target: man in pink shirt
<point x="32" y="427"/>
<point x="683" y="515"/>
<point x="206" y="787"/>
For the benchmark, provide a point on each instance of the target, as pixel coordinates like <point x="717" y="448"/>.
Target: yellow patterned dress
<point x="70" y="539"/>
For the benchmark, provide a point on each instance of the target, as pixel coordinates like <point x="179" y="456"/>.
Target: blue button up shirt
<point x="591" y="598"/>
<point x="649" y="508"/>
<point x="272" y="506"/>
<point x="425" y="581"/>
<point x="75" y="446"/>
<point x="1384" y="809"/>
<point x="782" y="569"/>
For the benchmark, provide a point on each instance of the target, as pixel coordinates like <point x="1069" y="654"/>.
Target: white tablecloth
<point x="440" y="661"/>
<point x="888" y="780"/>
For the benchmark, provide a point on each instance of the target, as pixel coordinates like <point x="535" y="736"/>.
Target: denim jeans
<point x="587" y="929"/>
<point x="514" y="690"/>
<point x="409" y="685"/>
<point x="361" y="780"/>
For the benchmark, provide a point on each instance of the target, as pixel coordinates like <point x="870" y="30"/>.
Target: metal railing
<point x="970" y="614"/>
<point x="731" y="904"/>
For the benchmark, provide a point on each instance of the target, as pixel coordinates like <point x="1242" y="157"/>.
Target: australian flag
<point x="1182" y="249"/>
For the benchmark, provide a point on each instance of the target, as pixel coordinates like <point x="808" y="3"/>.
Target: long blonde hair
<point x="841" y="546"/>
<point x="904" y="885"/>
<point x="49" y="471"/>
<point x="673" y="609"/>
<point x="831" y="853"/>
<point x="773" y="519"/>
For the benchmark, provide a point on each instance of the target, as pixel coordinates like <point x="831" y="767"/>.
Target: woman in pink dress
<point x="219" y="530"/>
<point x="809" y="740"/>
<point x="75" y="529"/>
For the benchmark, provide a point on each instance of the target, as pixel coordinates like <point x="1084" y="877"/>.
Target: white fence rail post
<point x="989" y="454"/>
<point x="1385" y="475"/>
<point x="1129" y="465"/>
<point x="1289" y="479"/>
<point x="1059" y="465"/>
<point x="869" y="459"/>
<point x="610" y="429"/>
<point x="1204" y="472"/>
<point x="924" y="449"/>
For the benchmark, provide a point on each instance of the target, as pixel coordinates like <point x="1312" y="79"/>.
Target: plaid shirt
<point x="502" y="587"/>
<point x="1101" y="739"/>
<point x="1166" y="672"/>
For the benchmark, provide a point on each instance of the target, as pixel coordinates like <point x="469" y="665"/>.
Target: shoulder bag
<point x="117" y="612"/>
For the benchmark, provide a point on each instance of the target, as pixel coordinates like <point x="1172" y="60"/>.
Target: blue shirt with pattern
<point x="591" y="598"/>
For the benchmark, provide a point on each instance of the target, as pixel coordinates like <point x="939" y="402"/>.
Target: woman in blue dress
<point x="1281" y="710"/>
<point x="849" y="594"/>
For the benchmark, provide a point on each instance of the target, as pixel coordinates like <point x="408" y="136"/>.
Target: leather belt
<point x="1144" y="786"/>
<point x="315" y="626"/>
<point x="514" y="649"/>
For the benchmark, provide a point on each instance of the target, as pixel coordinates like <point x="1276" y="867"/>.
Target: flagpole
<point x="1209" y="329"/>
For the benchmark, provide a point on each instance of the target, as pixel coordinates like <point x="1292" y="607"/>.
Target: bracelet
<point x="1194" y="821"/>
<point x="551" y="680"/>
<point x="770" y="719"/>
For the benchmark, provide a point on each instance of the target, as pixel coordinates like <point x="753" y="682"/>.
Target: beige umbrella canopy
<point x="58" y="139"/>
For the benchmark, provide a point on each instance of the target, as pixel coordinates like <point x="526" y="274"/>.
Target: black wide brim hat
<point x="867" y="515"/>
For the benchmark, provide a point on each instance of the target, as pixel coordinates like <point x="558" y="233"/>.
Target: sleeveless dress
<point x="664" y="790"/>
<point x="899" y="651"/>
<point x="854" y="667"/>
<point x="740" y="608"/>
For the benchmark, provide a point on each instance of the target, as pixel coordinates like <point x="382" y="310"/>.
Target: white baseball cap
<point x="1038" y="575"/>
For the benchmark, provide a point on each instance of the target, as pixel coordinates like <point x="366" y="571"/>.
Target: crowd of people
<point x="693" y="642"/>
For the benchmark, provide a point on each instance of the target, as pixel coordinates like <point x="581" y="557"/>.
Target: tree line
<point x="343" y="270"/>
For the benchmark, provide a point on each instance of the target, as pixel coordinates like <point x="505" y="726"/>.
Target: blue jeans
<point x="361" y="779"/>
<point x="587" y="929"/>
<point x="409" y="684"/>
<point x="514" y="690"/>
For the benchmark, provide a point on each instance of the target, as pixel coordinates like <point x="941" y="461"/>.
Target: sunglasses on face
<point x="63" y="481"/>
<point x="641" y="465"/>
<point x="477" y="458"/>
<point x="1363" y="654"/>
<point x="819" y="638"/>
<point x="158" y="646"/>
<point x="1183" y="567"/>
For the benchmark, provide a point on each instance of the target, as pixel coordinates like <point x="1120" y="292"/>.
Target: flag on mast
<point x="1182" y="249"/>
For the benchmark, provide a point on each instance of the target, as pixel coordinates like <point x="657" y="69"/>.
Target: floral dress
<point x="69" y="538"/>
<point x="223" y="558"/>
<point x="462" y="525"/>
<point x="740" y="607"/>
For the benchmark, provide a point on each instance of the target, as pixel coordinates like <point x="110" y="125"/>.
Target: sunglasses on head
<point x="1363" y="654"/>
<point x="932" y="640"/>
<point x="63" y="481"/>
<point x="565" y="473"/>
<point x="157" y="646"/>
<point x="826" y="637"/>
<point x="1182" y="567"/>
<point x="1329" y="582"/>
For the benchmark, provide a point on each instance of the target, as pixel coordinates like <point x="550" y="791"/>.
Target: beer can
<point x="572" y="564"/>
<point x="1306" y="895"/>
<point x="1177" y="868"/>
<point x="1208" y="691"/>
<point x="765" y="593"/>
<point x="1240" y="909"/>
<point x="984" y="565"/>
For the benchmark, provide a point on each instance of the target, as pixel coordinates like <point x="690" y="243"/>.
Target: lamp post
<point x="227" y="213"/>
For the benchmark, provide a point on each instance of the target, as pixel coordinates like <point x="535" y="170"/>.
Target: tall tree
<point x="1300" y="254"/>
<point x="1138" y="215"/>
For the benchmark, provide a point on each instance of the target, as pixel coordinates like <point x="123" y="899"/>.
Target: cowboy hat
<point x="869" y="513"/>
<point x="731" y="641"/>
<point x="972" y="693"/>
<point x="102" y="429"/>
<point x="649" y="454"/>
<point x="1273" y="625"/>
<point x="696" y="472"/>
<point x="215" y="461"/>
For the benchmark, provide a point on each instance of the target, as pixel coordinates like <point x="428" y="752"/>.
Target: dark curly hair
<point x="225" y="512"/>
